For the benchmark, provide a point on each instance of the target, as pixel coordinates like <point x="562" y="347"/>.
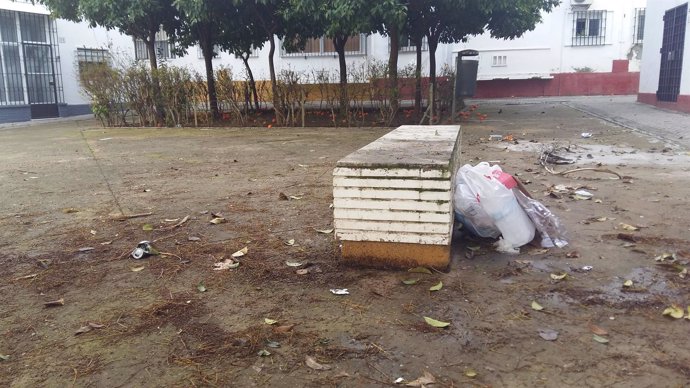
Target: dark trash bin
<point x="466" y="73"/>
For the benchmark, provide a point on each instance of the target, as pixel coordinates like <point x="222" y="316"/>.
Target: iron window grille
<point x="89" y="55"/>
<point x="638" y="29"/>
<point x="407" y="45"/>
<point x="92" y="57"/>
<point x="589" y="28"/>
<point x="320" y="47"/>
<point x="164" y="48"/>
<point x="30" y="71"/>
<point x="200" y="53"/>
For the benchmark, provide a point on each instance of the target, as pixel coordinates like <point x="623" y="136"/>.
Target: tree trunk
<point x="433" y="44"/>
<point x="274" y="82"/>
<point x="252" y="82"/>
<point x="418" y="40"/>
<point x="158" y="106"/>
<point x="339" y="44"/>
<point x="207" y="50"/>
<point x="393" y="91"/>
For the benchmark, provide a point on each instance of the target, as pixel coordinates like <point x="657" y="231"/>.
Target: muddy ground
<point x="146" y="323"/>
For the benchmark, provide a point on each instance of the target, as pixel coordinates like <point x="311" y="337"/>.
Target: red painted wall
<point x="564" y="84"/>
<point x="682" y="105"/>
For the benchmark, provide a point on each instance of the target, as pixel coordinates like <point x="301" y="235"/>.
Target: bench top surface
<point x="422" y="146"/>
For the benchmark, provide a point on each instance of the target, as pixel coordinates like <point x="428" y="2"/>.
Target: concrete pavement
<point x="673" y="128"/>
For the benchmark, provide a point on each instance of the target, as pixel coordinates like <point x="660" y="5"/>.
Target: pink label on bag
<point x="505" y="178"/>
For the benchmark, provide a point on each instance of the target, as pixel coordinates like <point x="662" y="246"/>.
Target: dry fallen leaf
<point x="241" y="252"/>
<point x="83" y="329"/>
<point x="420" y="270"/>
<point x="435" y="323"/>
<point x="537" y="306"/>
<point x="674" y="312"/>
<point x="217" y="220"/>
<point x="55" y="303"/>
<point x="324" y="231"/>
<point x="559" y="277"/>
<point x="436" y="287"/>
<point x="270" y="321"/>
<point x="470" y="373"/>
<point x="283" y="329"/>
<point x="427" y="379"/>
<point x="597" y="330"/>
<point x="315" y="365"/>
<point x="629" y="228"/>
<point x="410" y="282"/>
<point x="628" y="283"/>
<point x="600" y="339"/>
<point x="137" y="269"/>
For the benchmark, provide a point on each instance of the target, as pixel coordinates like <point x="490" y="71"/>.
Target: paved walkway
<point x="671" y="127"/>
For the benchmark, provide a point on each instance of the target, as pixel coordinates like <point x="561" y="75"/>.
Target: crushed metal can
<point x="142" y="250"/>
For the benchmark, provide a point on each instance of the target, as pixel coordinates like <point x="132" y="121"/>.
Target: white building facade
<point x="665" y="70"/>
<point x="581" y="47"/>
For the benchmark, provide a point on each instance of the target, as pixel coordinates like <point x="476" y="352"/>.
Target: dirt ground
<point x="146" y="322"/>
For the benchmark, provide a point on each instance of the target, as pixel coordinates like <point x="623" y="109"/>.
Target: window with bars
<point x="589" y="28"/>
<point x="92" y="57"/>
<point x="355" y="45"/>
<point x="200" y="53"/>
<point x="407" y="44"/>
<point x="30" y="70"/>
<point x="11" y="74"/>
<point x="164" y="49"/>
<point x="638" y="30"/>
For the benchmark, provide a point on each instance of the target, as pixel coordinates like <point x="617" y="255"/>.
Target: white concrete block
<point x="392" y="215"/>
<point x="364" y="203"/>
<point x="392" y="173"/>
<point x="416" y="195"/>
<point x="399" y="188"/>
<point x="423" y="184"/>
<point x="388" y="226"/>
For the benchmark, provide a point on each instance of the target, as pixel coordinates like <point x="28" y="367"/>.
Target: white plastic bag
<point x="500" y="204"/>
<point x="469" y="212"/>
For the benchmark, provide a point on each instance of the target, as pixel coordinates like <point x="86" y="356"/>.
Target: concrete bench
<point x="393" y="198"/>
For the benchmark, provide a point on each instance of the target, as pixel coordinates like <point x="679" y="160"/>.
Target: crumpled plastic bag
<point x="469" y="212"/>
<point x="547" y="224"/>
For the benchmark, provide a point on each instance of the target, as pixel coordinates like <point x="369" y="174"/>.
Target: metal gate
<point x="672" y="53"/>
<point x="40" y="80"/>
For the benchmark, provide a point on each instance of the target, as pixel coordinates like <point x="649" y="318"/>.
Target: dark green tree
<point x="269" y="19"/>
<point x="207" y="23"/>
<point x="389" y="20"/>
<point x="337" y="20"/>
<point x="452" y="21"/>
<point x="241" y="41"/>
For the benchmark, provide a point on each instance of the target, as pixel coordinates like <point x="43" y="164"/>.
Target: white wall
<point x="541" y="52"/>
<point x="79" y="35"/>
<point x="654" y="33"/>
<point x="548" y="48"/>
